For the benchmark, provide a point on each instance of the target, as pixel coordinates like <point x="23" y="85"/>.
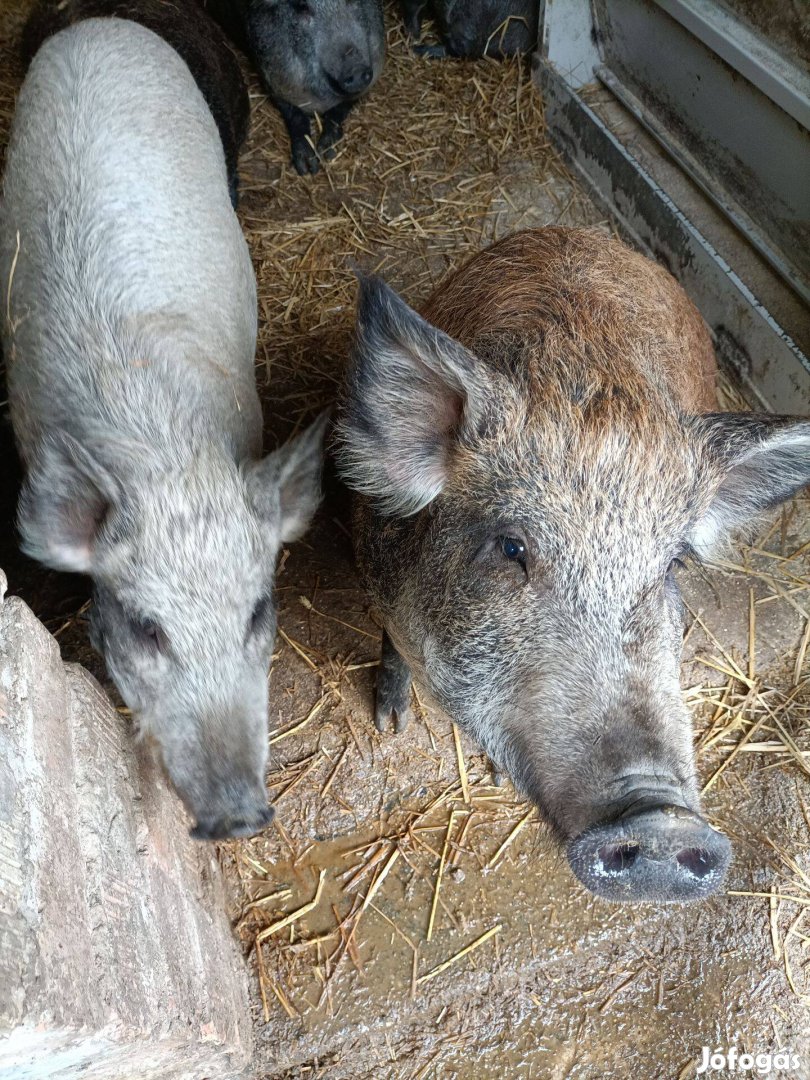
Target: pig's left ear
<point x="286" y="485"/>
<point x="763" y="460"/>
<point x="412" y="391"/>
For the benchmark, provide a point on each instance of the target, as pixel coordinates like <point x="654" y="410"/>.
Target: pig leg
<point x="393" y="689"/>
<point x="333" y="129"/>
<point x="299" y="128"/>
<point x="412" y="17"/>
<point x="499" y="777"/>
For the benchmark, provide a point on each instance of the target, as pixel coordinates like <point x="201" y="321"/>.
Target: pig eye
<point x="150" y="634"/>
<point x="513" y="549"/>
<point x="302" y="7"/>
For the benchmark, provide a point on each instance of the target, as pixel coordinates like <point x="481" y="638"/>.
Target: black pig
<point x="314" y="56"/>
<point x="473" y="28"/>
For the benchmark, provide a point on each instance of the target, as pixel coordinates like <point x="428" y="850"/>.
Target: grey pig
<point x="314" y="56"/>
<point x="195" y="36"/>
<point x="470" y="29"/>
<point x="534" y="455"/>
<point x="129" y="334"/>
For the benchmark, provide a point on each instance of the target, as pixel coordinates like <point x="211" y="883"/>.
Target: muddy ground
<point x="439" y="160"/>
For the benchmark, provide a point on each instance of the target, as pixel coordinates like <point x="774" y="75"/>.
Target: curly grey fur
<point x="130" y="337"/>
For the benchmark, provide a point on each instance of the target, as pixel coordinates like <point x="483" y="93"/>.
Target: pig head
<point x="534" y="459"/>
<point x="183" y="557"/>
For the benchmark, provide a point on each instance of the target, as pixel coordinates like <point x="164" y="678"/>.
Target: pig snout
<point x="234" y="812"/>
<point x="463" y="42"/>
<point x="352" y="74"/>
<point x="230" y="827"/>
<point x="663" y="853"/>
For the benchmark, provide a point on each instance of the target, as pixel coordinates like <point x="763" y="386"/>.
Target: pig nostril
<point x="663" y="854"/>
<point x="618" y="857"/>
<point x="353" y="83"/>
<point x="232" y="827"/>
<point x="697" y="861"/>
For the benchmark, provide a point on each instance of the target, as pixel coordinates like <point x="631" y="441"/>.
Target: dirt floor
<point x="403" y="917"/>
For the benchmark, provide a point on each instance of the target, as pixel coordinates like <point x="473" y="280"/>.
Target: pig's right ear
<point x="410" y="394"/>
<point x="65" y="501"/>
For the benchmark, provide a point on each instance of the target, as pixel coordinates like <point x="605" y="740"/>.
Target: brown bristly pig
<point x="534" y="455"/>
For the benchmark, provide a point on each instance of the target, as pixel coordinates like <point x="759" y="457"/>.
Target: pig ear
<point x="287" y="482"/>
<point x="67" y="497"/>
<point x="764" y="461"/>
<point x="411" y="390"/>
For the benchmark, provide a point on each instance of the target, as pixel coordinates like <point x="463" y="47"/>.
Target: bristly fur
<point x="557" y="391"/>
<point x="190" y="31"/>
<point x="131" y="334"/>
<point x="387" y="448"/>
<point x="495" y="28"/>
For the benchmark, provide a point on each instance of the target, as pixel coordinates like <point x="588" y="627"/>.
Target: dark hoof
<point x="388" y="711"/>
<point x="394" y="683"/>
<point x="499" y="777"/>
<point x="413" y="26"/>
<point x="305" y="159"/>
<point x="327" y="142"/>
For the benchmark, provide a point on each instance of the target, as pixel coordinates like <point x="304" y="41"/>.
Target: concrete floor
<point x="568" y="987"/>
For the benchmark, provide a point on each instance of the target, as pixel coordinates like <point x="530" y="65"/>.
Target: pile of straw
<point x="422" y="178"/>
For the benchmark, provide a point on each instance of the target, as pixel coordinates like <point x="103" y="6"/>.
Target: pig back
<point x="592" y="291"/>
<point x="130" y="288"/>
